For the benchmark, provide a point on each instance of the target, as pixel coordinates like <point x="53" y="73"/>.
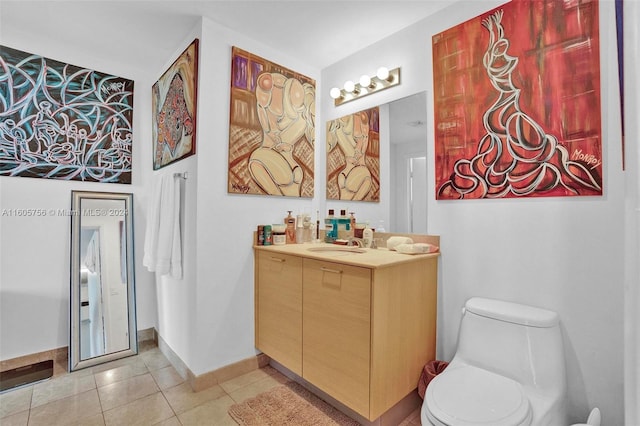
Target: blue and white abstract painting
<point x="60" y="121"/>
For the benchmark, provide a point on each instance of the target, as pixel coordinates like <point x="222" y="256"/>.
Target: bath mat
<point x="288" y="405"/>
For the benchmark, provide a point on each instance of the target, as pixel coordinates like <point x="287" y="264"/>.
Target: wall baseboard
<point x="60" y="356"/>
<point x="149" y="336"/>
<point x="204" y="381"/>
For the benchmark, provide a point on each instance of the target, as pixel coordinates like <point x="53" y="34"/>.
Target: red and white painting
<point x="517" y="103"/>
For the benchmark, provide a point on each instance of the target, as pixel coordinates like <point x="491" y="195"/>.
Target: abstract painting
<point x="517" y="103"/>
<point x="353" y="157"/>
<point x="60" y="121"/>
<point x="271" y="128"/>
<point x="174" y="103"/>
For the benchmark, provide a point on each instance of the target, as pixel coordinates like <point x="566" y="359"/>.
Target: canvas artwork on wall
<point x="517" y="103"/>
<point x="174" y="103"/>
<point x="271" y="129"/>
<point x="353" y="156"/>
<point x="61" y="121"/>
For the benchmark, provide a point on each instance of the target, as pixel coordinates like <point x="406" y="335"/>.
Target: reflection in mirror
<point x="102" y="308"/>
<point x="408" y="134"/>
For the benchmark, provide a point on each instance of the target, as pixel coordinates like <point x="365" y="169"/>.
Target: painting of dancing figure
<point x="61" y="121"/>
<point x="353" y="157"/>
<point x="271" y="129"/>
<point x="174" y="103"/>
<point x="517" y="103"/>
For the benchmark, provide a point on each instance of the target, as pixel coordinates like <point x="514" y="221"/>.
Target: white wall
<point x="225" y="222"/>
<point x="35" y="252"/>
<point x="564" y="254"/>
<point x="632" y="234"/>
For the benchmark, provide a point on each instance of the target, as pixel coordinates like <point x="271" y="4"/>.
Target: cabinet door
<point x="336" y="331"/>
<point x="279" y="308"/>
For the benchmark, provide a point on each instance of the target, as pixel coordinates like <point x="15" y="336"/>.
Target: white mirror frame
<point x="75" y="360"/>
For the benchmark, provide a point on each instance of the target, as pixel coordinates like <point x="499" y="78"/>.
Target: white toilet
<point x="508" y="370"/>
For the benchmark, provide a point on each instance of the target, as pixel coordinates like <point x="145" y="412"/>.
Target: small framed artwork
<point x="174" y="103"/>
<point x="353" y="157"/>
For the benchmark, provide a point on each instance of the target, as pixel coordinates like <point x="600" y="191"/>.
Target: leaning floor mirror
<point x="102" y="306"/>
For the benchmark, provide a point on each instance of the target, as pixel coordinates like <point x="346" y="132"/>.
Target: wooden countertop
<point x="368" y="258"/>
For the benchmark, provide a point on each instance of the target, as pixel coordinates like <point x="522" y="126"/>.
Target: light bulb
<point x="335" y="93"/>
<point x="382" y="73"/>
<point x="349" y="86"/>
<point x="365" y="81"/>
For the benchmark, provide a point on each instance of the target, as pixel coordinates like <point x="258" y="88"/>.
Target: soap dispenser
<point x="352" y="219"/>
<point x="290" y="231"/>
<point x="367" y="236"/>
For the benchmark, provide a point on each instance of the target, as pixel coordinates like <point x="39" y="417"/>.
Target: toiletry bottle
<point x="260" y="235"/>
<point x="352" y="224"/>
<point x="367" y="236"/>
<point x="290" y="232"/>
<point x="279" y="234"/>
<point x="343" y="225"/>
<point x="268" y="238"/>
<point x="306" y="229"/>
<point x="300" y="228"/>
<point x="330" y="227"/>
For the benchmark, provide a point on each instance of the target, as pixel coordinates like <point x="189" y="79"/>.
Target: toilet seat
<point x="471" y="396"/>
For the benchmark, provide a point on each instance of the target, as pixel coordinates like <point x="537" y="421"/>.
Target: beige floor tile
<point x="61" y="387"/>
<point x="247" y="379"/>
<point x="17" y="419"/>
<point x="210" y="413"/>
<point x="183" y="398"/>
<point x="149" y="410"/>
<point x="146" y="345"/>
<point x="155" y="359"/>
<point x="97" y="420"/>
<point x="67" y="411"/>
<point x="134" y="368"/>
<point x="167" y="377"/>
<point x="173" y="421"/>
<point x="114" y="364"/>
<point x="126" y="391"/>
<point x="255" y="388"/>
<point x="15" y="401"/>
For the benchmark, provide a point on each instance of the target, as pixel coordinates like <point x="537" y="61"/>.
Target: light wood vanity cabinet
<point x="279" y="308"/>
<point x="359" y="327"/>
<point x="336" y="337"/>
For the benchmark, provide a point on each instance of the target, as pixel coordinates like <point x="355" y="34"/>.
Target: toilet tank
<point x="517" y="341"/>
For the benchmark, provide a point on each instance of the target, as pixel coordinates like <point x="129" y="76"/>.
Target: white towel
<point x="162" y="244"/>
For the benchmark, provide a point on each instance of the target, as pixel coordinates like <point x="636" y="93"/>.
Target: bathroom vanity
<point x="359" y="324"/>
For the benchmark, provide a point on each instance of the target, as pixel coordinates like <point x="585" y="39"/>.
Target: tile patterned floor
<point x="139" y="390"/>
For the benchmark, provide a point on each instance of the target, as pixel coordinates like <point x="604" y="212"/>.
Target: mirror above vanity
<point x="102" y="307"/>
<point x="408" y="164"/>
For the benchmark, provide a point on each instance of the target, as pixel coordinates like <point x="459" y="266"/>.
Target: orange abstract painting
<point x="353" y="157"/>
<point x="271" y="129"/>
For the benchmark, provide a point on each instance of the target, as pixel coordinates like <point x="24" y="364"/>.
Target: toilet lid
<point x="469" y="395"/>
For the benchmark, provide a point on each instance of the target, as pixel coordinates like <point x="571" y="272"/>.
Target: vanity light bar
<point x="366" y="86"/>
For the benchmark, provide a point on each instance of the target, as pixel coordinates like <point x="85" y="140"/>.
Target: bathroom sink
<point x="337" y="249"/>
